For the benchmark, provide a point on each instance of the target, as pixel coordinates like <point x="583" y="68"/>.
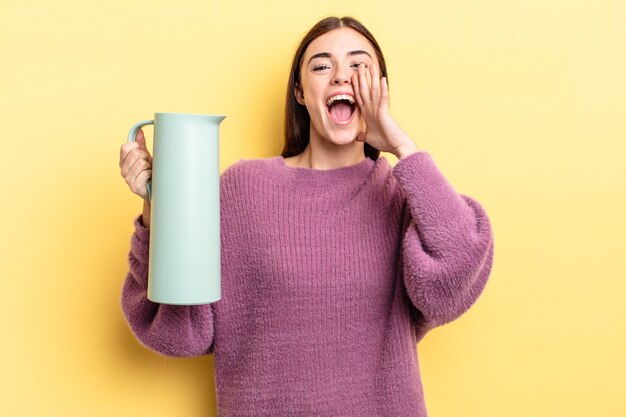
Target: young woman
<point x="334" y="264"/>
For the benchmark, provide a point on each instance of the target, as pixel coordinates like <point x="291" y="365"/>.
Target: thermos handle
<point x="131" y="138"/>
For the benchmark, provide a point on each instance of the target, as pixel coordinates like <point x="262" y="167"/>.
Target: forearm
<point x="447" y="245"/>
<point x="169" y="329"/>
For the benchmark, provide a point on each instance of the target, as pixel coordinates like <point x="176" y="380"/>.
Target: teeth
<point x="340" y="97"/>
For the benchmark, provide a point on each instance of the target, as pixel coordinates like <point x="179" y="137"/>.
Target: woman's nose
<point x="342" y="77"/>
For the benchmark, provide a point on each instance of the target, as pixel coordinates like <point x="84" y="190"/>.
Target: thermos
<point x="185" y="257"/>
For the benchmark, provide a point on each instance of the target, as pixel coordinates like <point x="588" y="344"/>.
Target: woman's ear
<point x="297" y="91"/>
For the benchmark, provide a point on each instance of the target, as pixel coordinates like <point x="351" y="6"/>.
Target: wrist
<point x="407" y="148"/>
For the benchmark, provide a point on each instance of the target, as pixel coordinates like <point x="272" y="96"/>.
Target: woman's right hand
<point x="136" y="165"/>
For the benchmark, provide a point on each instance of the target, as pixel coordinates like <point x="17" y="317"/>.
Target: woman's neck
<point x="323" y="156"/>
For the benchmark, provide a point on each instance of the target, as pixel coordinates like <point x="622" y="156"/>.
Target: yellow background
<point x="522" y="103"/>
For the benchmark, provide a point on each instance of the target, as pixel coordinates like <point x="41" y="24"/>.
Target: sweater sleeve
<point x="447" y="246"/>
<point x="172" y="330"/>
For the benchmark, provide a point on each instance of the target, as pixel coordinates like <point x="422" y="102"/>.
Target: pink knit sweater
<point x="329" y="280"/>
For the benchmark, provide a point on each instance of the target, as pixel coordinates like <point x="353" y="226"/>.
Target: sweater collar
<point x="319" y="178"/>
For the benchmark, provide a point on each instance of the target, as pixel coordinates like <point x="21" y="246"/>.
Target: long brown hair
<point x="297" y="120"/>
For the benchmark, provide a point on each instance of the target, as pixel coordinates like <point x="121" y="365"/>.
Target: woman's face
<point x="325" y="86"/>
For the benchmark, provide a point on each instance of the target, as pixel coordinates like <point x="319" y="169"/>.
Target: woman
<point x="334" y="264"/>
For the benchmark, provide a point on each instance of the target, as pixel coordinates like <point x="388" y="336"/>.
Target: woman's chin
<point x="345" y="135"/>
<point x="343" y="138"/>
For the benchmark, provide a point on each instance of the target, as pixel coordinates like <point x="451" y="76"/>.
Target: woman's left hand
<point x="381" y="130"/>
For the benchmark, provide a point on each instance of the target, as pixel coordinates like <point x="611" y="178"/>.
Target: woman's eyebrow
<point x="359" y="52"/>
<point x="320" y="55"/>
<point x="328" y="55"/>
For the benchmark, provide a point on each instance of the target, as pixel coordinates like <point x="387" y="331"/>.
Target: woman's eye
<point x="320" y="67"/>
<point x="356" y="65"/>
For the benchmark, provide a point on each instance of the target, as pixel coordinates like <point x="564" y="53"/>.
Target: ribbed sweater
<point x="330" y="278"/>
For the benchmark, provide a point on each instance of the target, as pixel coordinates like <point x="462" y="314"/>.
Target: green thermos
<point x="185" y="257"/>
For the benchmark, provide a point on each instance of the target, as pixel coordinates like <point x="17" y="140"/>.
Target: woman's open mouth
<point x="341" y="108"/>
